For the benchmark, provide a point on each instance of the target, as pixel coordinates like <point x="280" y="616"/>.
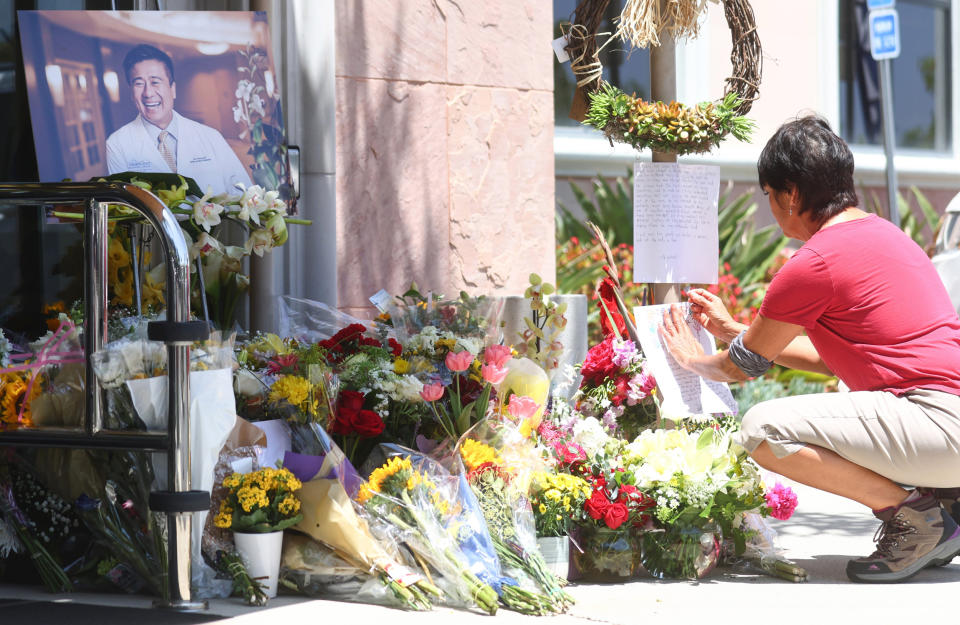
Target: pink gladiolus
<point x="432" y="392"/>
<point x="459" y="361"/>
<point x="782" y="501"/>
<point x="522" y="407"/>
<point x="497" y="355"/>
<point x="493" y="374"/>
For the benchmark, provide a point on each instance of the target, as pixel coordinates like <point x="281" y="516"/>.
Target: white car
<point x="947" y="257"/>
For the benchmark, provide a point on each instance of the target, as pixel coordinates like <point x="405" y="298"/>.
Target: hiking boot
<point x="913" y="535"/>
<point x="949" y="498"/>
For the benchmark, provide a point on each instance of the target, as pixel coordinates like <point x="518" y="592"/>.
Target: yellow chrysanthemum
<point x="290" y="388"/>
<point x="401" y="366"/>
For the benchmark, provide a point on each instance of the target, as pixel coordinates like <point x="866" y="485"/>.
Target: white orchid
<point x="260" y="241"/>
<point x="206" y="214"/>
<point x="205" y="245"/>
<point x="253" y="202"/>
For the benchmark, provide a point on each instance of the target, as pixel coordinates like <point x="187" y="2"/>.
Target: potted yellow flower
<point x="557" y="501"/>
<point x="258" y="507"/>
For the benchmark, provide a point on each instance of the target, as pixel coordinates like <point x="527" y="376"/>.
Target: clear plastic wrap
<point x="468" y="317"/>
<point x="762" y="551"/>
<point x="310" y="321"/>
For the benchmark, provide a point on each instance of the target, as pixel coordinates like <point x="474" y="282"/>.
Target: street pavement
<point x="822" y="535"/>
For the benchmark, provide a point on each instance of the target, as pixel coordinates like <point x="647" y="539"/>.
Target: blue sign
<point x="873" y="5"/>
<point x="884" y="34"/>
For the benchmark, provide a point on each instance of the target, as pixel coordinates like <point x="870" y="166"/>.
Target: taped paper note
<point x="675" y="235"/>
<point x="684" y="393"/>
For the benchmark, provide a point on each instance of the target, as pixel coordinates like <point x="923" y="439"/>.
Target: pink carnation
<point x="782" y="501"/>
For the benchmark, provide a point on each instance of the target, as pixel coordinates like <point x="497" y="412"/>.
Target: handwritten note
<point x="675" y="222"/>
<point x="684" y="393"/>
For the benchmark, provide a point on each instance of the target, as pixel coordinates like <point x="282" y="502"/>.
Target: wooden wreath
<point x="666" y="127"/>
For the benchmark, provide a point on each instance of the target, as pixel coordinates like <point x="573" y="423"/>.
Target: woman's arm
<point x="709" y="310"/>
<point x="765" y="337"/>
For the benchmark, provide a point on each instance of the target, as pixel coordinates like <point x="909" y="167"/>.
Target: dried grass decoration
<point x="672" y="128"/>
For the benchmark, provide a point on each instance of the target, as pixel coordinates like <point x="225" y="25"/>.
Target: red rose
<point x="598" y="365"/>
<point x="349" y="404"/>
<point x="615" y="515"/>
<point x="367" y="424"/>
<point x="597" y="505"/>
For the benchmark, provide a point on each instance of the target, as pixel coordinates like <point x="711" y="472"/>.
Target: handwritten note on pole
<point x="675" y="222"/>
<point x="684" y="393"/>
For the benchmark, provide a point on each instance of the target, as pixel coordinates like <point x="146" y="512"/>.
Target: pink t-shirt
<point x="873" y="306"/>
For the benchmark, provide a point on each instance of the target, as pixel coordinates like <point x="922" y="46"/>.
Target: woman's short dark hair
<point x="144" y="52"/>
<point x="806" y="154"/>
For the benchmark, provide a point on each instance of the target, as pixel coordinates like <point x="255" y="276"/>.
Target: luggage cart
<point x="177" y="332"/>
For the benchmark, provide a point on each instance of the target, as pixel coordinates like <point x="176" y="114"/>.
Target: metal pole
<point x="95" y="303"/>
<point x="889" y="138"/>
<point x="663" y="87"/>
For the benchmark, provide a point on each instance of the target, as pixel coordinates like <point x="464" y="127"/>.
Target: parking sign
<point x="884" y="34"/>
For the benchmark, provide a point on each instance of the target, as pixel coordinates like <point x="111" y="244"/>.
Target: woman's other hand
<point x="678" y="338"/>
<point x="709" y="310"/>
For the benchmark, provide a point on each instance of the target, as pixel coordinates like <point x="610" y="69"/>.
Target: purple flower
<point x="623" y="353"/>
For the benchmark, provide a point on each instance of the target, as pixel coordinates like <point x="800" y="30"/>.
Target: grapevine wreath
<point x="674" y="127"/>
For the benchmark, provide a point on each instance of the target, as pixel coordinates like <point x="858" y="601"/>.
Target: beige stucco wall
<point x="444" y="137"/>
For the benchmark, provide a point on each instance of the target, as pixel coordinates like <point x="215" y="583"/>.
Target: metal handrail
<point x="96" y="197"/>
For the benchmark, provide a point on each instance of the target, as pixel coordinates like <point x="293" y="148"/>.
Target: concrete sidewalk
<point x="823" y="534"/>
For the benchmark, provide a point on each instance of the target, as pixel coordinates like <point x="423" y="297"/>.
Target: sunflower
<point x="476" y="453"/>
<point x="15" y="396"/>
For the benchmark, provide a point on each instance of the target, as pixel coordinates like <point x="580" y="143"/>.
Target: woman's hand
<point x="709" y="310"/>
<point x="678" y="338"/>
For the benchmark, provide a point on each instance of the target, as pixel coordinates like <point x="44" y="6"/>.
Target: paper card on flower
<point x="684" y="393"/>
<point x="675" y="236"/>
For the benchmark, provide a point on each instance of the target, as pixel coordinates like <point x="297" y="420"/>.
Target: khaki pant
<point x="913" y="439"/>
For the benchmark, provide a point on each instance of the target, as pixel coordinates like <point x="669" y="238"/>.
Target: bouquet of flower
<point x="617" y="387"/>
<point x="500" y="487"/>
<point x="421" y="512"/>
<point x="329" y="517"/>
<point x="17" y="532"/>
<point x="557" y="500"/>
<point x="471" y="321"/>
<point x="260" y="501"/>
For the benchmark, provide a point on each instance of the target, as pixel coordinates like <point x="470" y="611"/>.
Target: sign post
<point x="884" y="46"/>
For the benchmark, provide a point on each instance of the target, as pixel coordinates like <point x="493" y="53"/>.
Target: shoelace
<point x="891" y="533"/>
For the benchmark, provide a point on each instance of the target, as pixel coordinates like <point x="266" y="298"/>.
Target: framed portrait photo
<point x="187" y="92"/>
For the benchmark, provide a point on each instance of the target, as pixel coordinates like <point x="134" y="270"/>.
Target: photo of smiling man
<point x="161" y="140"/>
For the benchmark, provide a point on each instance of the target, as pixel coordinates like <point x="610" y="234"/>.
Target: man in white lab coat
<point x="162" y="140"/>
